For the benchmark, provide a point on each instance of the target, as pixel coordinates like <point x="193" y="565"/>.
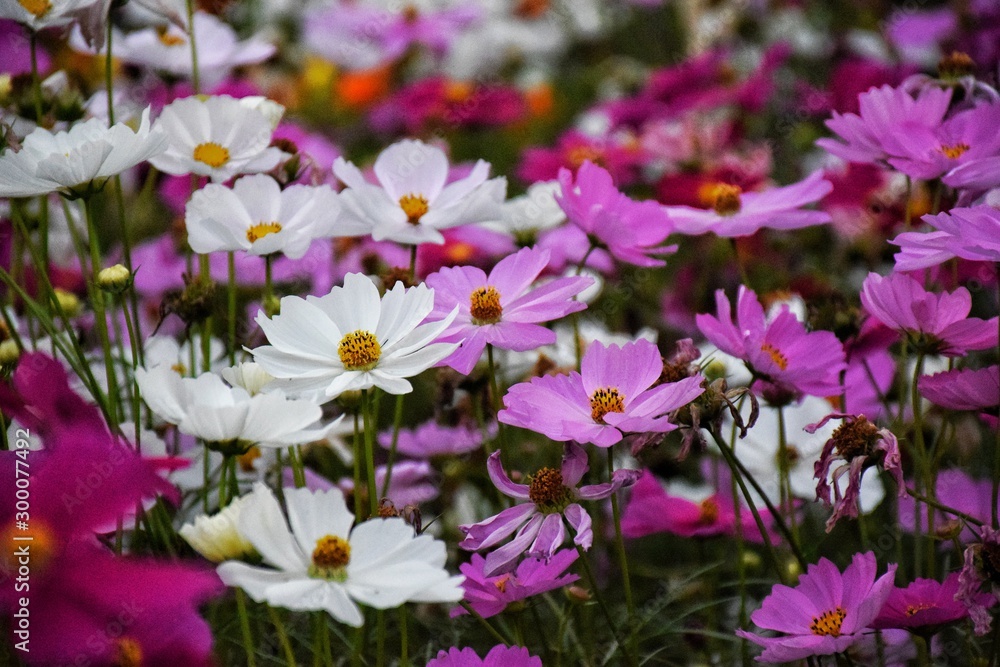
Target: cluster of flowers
<point x="452" y="342"/>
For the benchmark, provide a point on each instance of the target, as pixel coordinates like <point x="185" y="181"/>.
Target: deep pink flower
<point x="886" y="118"/>
<point x="935" y="323"/>
<point x="780" y="349"/>
<point x="501" y="309"/>
<point x="963" y="389"/>
<point x="631" y="231"/>
<point x="651" y="509"/>
<point x="924" y="605"/>
<point x="491" y="595"/>
<point x="551" y="501"/>
<point x="499" y="656"/>
<point x="969" y="233"/>
<point x="979" y="573"/>
<point x="435" y="101"/>
<point x="572" y="149"/>
<point x="826" y="613"/>
<point x="612" y="395"/>
<point x="434" y="439"/>
<point x="737" y="213"/>
<point x="926" y="152"/>
<point x="859" y="444"/>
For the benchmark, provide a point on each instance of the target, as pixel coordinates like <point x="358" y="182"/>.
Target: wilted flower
<point x="980" y="570"/>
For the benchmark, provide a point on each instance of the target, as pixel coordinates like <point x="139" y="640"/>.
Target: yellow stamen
<point x="709" y="511"/>
<point x="954" y="151"/>
<point x="605" y="400"/>
<point x="414" y="206"/>
<point x="725" y="198"/>
<point x="828" y="623"/>
<point x="578" y="155"/>
<point x="485" y="305"/>
<point x="247" y="459"/>
<point x="212" y="154"/>
<point x="914" y="609"/>
<point x="779" y="359"/>
<point x="502" y="582"/>
<point x="128" y="653"/>
<point x="330" y="557"/>
<point x="547" y="490"/>
<point x="37" y="8"/>
<point x="262" y="229"/>
<point x="359" y="351"/>
<point x="168" y="38"/>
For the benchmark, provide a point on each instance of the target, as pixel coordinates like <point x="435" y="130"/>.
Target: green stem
<point x="612" y="626"/>
<point x="497" y="400"/>
<point x="486" y="624"/>
<point x="231" y="307"/>
<point x="369" y="414"/>
<point x="241" y="609"/>
<point x="380" y="638"/>
<point x="298" y="469"/>
<point x="413" y="263"/>
<point x="195" y="77"/>
<point x="206" y="326"/>
<point x="109" y="73"/>
<point x="397" y="420"/>
<point x="633" y="637"/>
<point x="279" y="627"/>
<point x="100" y="315"/>
<point x="404" y="645"/>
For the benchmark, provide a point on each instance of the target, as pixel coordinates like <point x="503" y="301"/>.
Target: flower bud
<point x="67" y="302"/>
<point x="114" y="279"/>
<point x="9" y="352"/>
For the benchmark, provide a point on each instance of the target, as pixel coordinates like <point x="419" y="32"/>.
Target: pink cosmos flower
<point x="860" y="445"/>
<point x="737" y="213"/>
<point x="936" y="323"/>
<point x="499" y="656"/>
<point x="651" y="509"/>
<point x="434" y="439"/>
<point x="885" y="120"/>
<point x="435" y="101"/>
<point x="969" y="233"/>
<point x="572" y="149"/>
<point x="955" y="489"/>
<point x="779" y="350"/>
<point x="489" y="596"/>
<point x="630" y="230"/>
<point x="963" y="389"/>
<point x="501" y="309"/>
<point x="929" y="152"/>
<point x="552" y="501"/>
<point x="980" y="174"/>
<point x="826" y="613"/>
<point x="613" y="394"/>
<point x="924" y="605"/>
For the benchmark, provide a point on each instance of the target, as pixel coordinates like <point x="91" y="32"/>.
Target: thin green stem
<point x="100" y="314"/>
<point x="279" y="627"/>
<point x="369" y="413"/>
<point x="612" y="626"/>
<point x="633" y="638"/>
<point x="231" y="306"/>
<point x="241" y="610"/>
<point x="195" y="76"/>
<point x="380" y="638"/>
<point x="404" y="643"/>
<point x="497" y="399"/>
<point x="397" y="420"/>
<point x="486" y="624"/>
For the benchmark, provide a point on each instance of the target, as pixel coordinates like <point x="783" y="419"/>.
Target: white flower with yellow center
<point x="230" y="418"/>
<point x="72" y="161"/>
<point x="321" y="564"/>
<point x="167" y="49"/>
<point x="352" y="339"/>
<point x="260" y="218"/>
<point x="413" y="200"/>
<point x="218" y="136"/>
<point x="40" y="14"/>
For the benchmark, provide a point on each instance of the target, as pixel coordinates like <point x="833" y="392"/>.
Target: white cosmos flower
<point x="352" y="339"/>
<point x="412" y="202"/>
<point x="260" y="218"/>
<point x="208" y="409"/>
<point x="218" y="137"/>
<point x="39" y="14"/>
<point x="168" y="49"/>
<point x="70" y="161"/>
<point x="217" y="537"/>
<point x="533" y="212"/>
<point x="322" y="564"/>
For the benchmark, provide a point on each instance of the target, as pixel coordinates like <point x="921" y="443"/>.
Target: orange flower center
<point x="605" y="400"/>
<point x="547" y="490"/>
<point x="128" y="653"/>
<point x="531" y="9"/>
<point x="725" y="198"/>
<point x="262" y="229"/>
<point x="502" y="582"/>
<point x="212" y="154"/>
<point x="246" y="460"/>
<point x="37" y="8"/>
<point x="709" y="511"/>
<point x="828" y="623"/>
<point x="458" y="91"/>
<point x="485" y="305"/>
<point x="359" y="351"/>
<point x="779" y="359"/>
<point x="28" y="543"/>
<point x="414" y="206"/>
<point x="330" y="557"/>
<point x="914" y="609"/>
<point x="168" y="38"/>
<point x="577" y="155"/>
<point x="954" y="151"/>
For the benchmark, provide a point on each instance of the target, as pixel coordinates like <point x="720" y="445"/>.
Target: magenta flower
<point x="631" y="231"/>
<point x="963" y="389"/>
<point x="929" y="152"/>
<point x="779" y="350"/>
<point x="651" y="510"/>
<point x="737" y="213"/>
<point x="825" y="614"/>
<point x="955" y="489"/>
<point x="501" y="309"/>
<point x="552" y="501"/>
<point x="499" y="656"/>
<point x="887" y="116"/>
<point x="859" y="445"/>
<point x="489" y="596"/>
<point x="969" y="233"/>
<point x="935" y="323"/>
<point x="981" y="174"/>
<point x="433" y="439"/>
<point x="980" y="572"/>
<point x="572" y="149"/>
<point x="924" y="606"/>
<point x="613" y="394"/>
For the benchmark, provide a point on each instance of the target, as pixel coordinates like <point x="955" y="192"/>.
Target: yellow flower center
<point x="128" y="653"/>
<point x="828" y="623"/>
<point x="458" y="91"/>
<point x="211" y="154"/>
<point x="580" y="154"/>
<point x="485" y="305"/>
<point x="954" y="151"/>
<point x="414" y="206"/>
<point x="168" y="38"/>
<point x="709" y="511"/>
<point x="502" y="582"/>
<point x="359" y="351"/>
<point x="779" y="359"/>
<point x="246" y="460"/>
<point x="531" y="9"/>
<point x="330" y="557"/>
<point x="725" y="198"/>
<point x="914" y="609"/>
<point x="37" y="8"/>
<point x="34" y="539"/>
<point x="605" y="400"/>
<point x="547" y="490"/>
<point x="262" y="229"/>
<point x="180" y="369"/>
